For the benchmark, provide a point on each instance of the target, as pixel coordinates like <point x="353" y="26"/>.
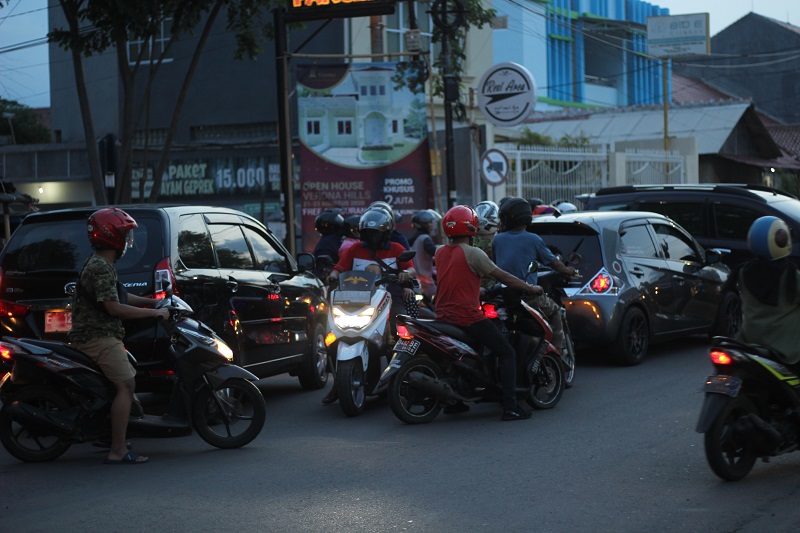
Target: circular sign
<point x="494" y="167"/>
<point x="507" y="94"/>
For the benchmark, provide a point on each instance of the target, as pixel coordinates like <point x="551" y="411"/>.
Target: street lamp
<point x="10" y="116"/>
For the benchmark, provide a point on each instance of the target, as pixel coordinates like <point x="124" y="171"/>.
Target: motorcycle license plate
<point x="409" y="346"/>
<point x="728" y="385"/>
<point x="57" y="321"/>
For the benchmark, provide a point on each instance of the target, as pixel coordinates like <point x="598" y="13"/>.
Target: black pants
<point x="487" y="333"/>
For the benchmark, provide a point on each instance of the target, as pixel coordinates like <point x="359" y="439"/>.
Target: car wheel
<point x="729" y="316"/>
<point x="314" y="373"/>
<point x="633" y="338"/>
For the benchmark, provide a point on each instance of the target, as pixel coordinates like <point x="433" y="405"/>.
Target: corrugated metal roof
<point x="711" y="124"/>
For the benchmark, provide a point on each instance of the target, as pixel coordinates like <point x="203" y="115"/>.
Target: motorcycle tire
<point x="350" y="383"/>
<point x="547" y="383"/>
<point x="411" y="405"/>
<point x="27" y="443"/>
<point x="569" y="361"/>
<point x="730" y="456"/>
<point x="218" y="414"/>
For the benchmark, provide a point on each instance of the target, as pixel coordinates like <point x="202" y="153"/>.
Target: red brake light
<point x="403" y="333"/>
<point x="489" y="311"/>
<point x="13" y="310"/>
<point x="601" y="283"/>
<point x="161" y="275"/>
<point x="718" y="357"/>
<point x="5" y="353"/>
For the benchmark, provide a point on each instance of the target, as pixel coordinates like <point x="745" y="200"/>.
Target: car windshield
<point x="63" y="245"/>
<point x="562" y="239"/>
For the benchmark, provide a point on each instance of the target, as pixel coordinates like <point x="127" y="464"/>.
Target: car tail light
<point x="718" y="357"/>
<point x="161" y="276"/>
<point x="601" y="283"/>
<point x="489" y="311"/>
<point x="403" y="333"/>
<point x="12" y="309"/>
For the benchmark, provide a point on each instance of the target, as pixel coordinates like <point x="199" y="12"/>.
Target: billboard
<point x="363" y="138"/>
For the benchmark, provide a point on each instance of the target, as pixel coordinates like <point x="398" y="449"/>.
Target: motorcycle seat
<point x="63" y="349"/>
<point x="449" y="329"/>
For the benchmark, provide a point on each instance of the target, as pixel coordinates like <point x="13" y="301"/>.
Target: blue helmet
<point x="769" y="238"/>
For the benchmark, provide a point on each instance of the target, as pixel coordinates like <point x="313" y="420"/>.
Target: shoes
<point x="515" y="414"/>
<point x="459" y="407"/>
<point x="331" y="397"/>
<point x="130" y="458"/>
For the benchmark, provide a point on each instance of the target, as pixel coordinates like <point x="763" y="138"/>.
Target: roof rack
<point x="743" y="189"/>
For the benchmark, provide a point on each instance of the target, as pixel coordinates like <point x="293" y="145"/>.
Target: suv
<point x="236" y="275"/>
<point x="718" y="216"/>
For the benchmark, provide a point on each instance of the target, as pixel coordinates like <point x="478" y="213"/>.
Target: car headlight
<point x="344" y="320"/>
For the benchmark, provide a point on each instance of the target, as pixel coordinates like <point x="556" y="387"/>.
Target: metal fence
<point x="653" y="166"/>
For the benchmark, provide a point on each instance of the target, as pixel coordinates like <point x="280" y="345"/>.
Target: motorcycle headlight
<point x="214" y="342"/>
<point x="360" y="320"/>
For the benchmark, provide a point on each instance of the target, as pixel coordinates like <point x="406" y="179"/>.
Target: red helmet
<point x="460" y="221"/>
<point x="110" y="228"/>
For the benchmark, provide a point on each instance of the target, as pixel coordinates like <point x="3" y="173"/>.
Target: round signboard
<point x="507" y="94"/>
<point x="494" y="167"/>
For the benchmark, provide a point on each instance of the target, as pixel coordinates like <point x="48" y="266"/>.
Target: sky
<point x="24" y="75"/>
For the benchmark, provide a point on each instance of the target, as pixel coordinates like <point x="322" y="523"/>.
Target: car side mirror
<point x="306" y="261"/>
<point x="713" y="257"/>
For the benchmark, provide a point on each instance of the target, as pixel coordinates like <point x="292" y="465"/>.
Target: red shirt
<point x="458" y="291"/>
<point x="357" y="257"/>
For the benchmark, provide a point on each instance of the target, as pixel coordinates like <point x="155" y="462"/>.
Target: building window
<point x="312" y="127"/>
<point x="363" y="90"/>
<point x="373" y="91"/>
<point x="344" y="127"/>
<point x="397" y="25"/>
<point x="151" y="137"/>
<point x="260" y="131"/>
<point x="151" y="49"/>
<point x="382" y="90"/>
<point x="395" y="126"/>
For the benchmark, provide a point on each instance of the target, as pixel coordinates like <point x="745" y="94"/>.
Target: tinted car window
<point x="636" y="241"/>
<point x="267" y="257"/>
<point x="194" y="243"/>
<point x="565" y="238"/>
<point x="733" y="221"/>
<point x="675" y="244"/>
<point x="689" y="215"/>
<point x="231" y="247"/>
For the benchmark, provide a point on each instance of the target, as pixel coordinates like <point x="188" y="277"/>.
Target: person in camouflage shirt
<point x="99" y="306"/>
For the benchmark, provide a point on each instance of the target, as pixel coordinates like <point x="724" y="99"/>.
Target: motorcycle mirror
<point x="574" y="258"/>
<point x="408" y="255"/>
<point x="533" y="267"/>
<point x="168" y="289"/>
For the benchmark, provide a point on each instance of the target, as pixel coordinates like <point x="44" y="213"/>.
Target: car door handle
<point x="232" y="285"/>
<point x="638" y="272"/>
<point x="680" y="279"/>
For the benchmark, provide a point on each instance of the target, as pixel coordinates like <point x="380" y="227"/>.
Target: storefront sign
<point x="507" y="94"/>
<point x="329" y="9"/>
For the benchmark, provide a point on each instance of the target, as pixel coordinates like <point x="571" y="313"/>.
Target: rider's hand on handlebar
<point x="403" y="276"/>
<point x="569" y="272"/>
<point x="408" y="294"/>
<point x="162" y="313"/>
<point x="535" y="290"/>
<point x="333" y="277"/>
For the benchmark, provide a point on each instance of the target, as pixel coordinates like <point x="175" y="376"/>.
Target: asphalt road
<point x="619" y="453"/>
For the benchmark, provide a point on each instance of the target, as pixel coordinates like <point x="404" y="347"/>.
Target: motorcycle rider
<point x="375" y="248"/>
<point x="97" y="314"/>
<point x="460" y="268"/>
<point x="769" y="286"/>
<point x="514" y="250"/>
<point x="425" y="222"/>
<point x="329" y="224"/>
<point x="394" y="235"/>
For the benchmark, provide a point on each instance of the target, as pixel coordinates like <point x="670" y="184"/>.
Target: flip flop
<point x="130" y="458"/>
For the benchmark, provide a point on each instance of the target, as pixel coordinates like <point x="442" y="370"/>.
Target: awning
<point x="784" y="162"/>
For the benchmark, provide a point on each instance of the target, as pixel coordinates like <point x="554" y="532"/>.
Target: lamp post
<point x="10" y="117"/>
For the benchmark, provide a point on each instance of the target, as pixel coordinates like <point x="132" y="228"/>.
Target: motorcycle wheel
<point x="547" y="383"/>
<point x="729" y="455"/>
<point x="27" y="443"/>
<point x="350" y="384"/>
<point x="569" y="359"/>
<point x="231" y="416"/>
<point x="410" y="405"/>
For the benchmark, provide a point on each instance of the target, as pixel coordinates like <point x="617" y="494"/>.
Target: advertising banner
<point x="363" y="138"/>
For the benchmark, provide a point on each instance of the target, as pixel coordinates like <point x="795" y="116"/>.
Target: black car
<point x="642" y="278"/>
<point x="717" y="215"/>
<point x="236" y="275"/>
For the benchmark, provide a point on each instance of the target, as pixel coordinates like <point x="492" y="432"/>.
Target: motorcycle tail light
<point x="718" y="357"/>
<point x="5" y="353"/>
<point x="403" y="333"/>
<point x="489" y="311"/>
<point x="601" y="283"/>
<point x="12" y="309"/>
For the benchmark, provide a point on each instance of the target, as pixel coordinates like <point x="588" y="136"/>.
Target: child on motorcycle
<point x="769" y="286"/>
<point x="460" y="267"/>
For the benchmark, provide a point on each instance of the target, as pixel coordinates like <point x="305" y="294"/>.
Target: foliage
<point x="416" y="123"/>
<point x="26" y="123"/>
<point x="580" y="140"/>
<point x="530" y="138"/>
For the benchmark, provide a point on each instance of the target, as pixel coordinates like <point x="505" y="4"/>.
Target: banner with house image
<point x="363" y="137"/>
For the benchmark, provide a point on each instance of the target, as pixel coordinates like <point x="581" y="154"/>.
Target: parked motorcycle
<point x="751" y="408"/>
<point x="435" y="364"/>
<point x="56" y="396"/>
<point x="359" y="320"/>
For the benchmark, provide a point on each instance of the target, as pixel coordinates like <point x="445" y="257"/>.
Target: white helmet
<point x="488" y="218"/>
<point x="566" y="207"/>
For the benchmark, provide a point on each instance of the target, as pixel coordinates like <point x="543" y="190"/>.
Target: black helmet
<point x="421" y="219"/>
<point x="350" y="228"/>
<point x="515" y="212"/>
<point x="329" y="221"/>
<point x="375" y="227"/>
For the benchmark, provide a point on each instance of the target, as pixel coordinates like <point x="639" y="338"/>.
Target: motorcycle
<point x="359" y="320"/>
<point x="56" y="396"/>
<point x="435" y="364"/>
<point x="751" y="408"/>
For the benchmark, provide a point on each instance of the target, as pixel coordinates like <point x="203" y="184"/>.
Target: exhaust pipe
<point x="435" y="387"/>
<point x="40" y="419"/>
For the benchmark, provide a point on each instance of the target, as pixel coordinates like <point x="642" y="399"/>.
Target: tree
<point x="94" y="26"/>
<point x="22" y="124"/>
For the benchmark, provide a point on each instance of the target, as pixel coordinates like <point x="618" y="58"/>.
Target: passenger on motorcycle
<point x="514" y="250"/>
<point x="376" y="250"/>
<point x="488" y="223"/>
<point x="425" y="222"/>
<point x="329" y="224"/>
<point x="769" y="286"/>
<point x="460" y="267"/>
<point x="350" y="233"/>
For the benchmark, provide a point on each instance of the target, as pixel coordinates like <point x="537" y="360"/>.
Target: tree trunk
<point x="128" y="126"/>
